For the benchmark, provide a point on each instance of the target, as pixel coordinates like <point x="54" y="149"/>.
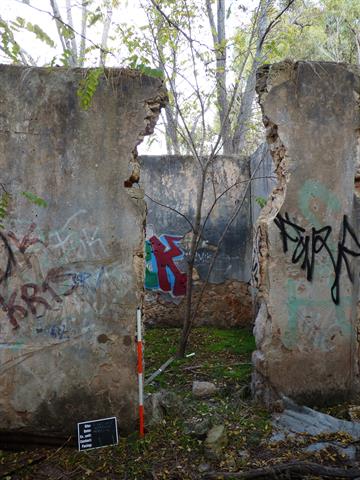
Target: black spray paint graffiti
<point x="10" y="262"/>
<point x="307" y="246"/>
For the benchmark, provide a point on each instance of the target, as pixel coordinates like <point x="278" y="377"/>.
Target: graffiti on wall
<point x="27" y="296"/>
<point x="162" y="272"/>
<point x="256" y="259"/>
<point x="308" y="246"/>
<point x="39" y="274"/>
<point x="71" y="243"/>
<point x="319" y="313"/>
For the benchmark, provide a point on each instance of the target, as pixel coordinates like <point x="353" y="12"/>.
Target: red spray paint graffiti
<point x="165" y="255"/>
<point x="31" y="294"/>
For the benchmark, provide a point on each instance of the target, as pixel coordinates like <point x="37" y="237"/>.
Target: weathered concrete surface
<point x="307" y="236"/>
<point x="71" y="273"/>
<point x="172" y="181"/>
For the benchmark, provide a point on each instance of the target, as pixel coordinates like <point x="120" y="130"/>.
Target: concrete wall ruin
<point x="71" y="273"/>
<point x="172" y="181"/>
<point x="307" y="240"/>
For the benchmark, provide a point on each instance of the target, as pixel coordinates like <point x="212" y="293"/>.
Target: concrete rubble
<point x="297" y="421"/>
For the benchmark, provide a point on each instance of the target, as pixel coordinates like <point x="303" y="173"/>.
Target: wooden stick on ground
<point x="293" y="468"/>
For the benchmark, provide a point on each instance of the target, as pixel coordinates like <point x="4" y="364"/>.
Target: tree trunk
<point x="245" y="114"/>
<point x="357" y="40"/>
<point x="219" y="40"/>
<point x="172" y="140"/>
<point x="105" y="34"/>
<point x="193" y="248"/>
<point x="221" y="65"/>
<point x="65" y="42"/>
<point x="71" y="24"/>
<point x="83" y="34"/>
<point x="188" y="310"/>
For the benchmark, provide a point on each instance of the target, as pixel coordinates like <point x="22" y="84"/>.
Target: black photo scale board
<point x="97" y="433"/>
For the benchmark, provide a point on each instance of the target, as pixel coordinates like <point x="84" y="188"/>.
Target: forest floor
<point x="171" y="449"/>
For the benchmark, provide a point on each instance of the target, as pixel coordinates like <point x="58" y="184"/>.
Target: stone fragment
<point x="216" y="441"/>
<point x="204" y="467"/>
<point x="160" y="404"/>
<point x="198" y="428"/>
<point x="348" y="452"/>
<point x="135" y="192"/>
<point x="203" y="389"/>
<point x="354" y="412"/>
<point x="243" y="454"/>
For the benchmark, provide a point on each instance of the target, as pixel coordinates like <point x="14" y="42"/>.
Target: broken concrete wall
<point x="307" y="240"/>
<point x="172" y="181"/>
<point x="264" y="179"/>
<point x="71" y="272"/>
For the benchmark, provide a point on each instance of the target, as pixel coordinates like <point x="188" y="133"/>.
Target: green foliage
<point x="261" y="201"/>
<point x="88" y="86"/>
<point x="142" y="64"/>
<point x="5" y="204"/>
<point x="67" y="32"/>
<point x="239" y="372"/>
<point x="40" y="202"/>
<point x="94" y="17"/>
<point x="9" y="45"/>
<point x="65" y="57"/>
<point x="324" y="30"/>
<point x="39" y="33"/>
<point x="4" y="207"/>
<point x="139" y="50"/>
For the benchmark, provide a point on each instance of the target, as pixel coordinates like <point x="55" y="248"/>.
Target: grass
<point x="234" y="341"/>
<point x="220" y="354"/>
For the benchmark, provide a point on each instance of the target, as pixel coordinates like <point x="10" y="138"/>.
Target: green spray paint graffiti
<point x="313" y="192"/>
<point x="312" y="316"/>
<point x="316" y="321"/>
<point x="151" y="278"/>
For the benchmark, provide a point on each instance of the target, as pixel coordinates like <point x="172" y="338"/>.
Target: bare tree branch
<point x="292" y="468"/>
<point x="188" y="325"/>
<point x="172" y="209"/>
<point x="275" y="21"/>
<point x="188" y="137"/>
<point x="245" y="112"/>
<point x="175" y="25"/>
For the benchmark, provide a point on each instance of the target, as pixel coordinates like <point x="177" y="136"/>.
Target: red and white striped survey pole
<point x="140" y="372"/>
